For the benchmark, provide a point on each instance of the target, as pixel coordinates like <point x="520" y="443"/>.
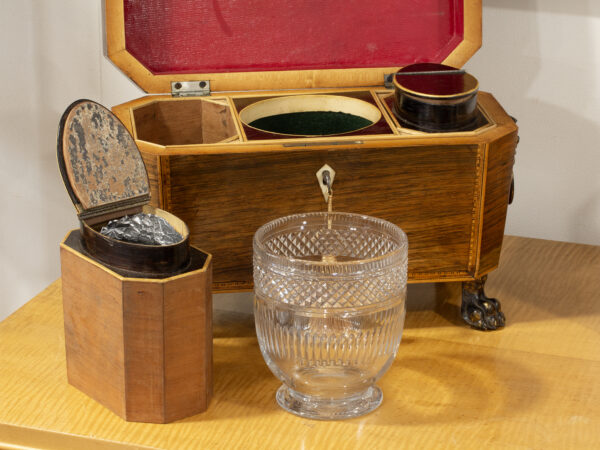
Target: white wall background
<point x="540" y="58"/>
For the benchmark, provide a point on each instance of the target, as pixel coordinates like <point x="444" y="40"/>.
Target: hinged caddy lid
<point x="100" y="164"/>
<point x="273" y="44"/>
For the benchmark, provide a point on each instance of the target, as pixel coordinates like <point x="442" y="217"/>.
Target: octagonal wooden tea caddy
<point x="137" y="317"/>
<point x="204" y="63"/>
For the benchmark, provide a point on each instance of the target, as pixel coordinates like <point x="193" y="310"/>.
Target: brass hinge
<point x="199" y="88"/>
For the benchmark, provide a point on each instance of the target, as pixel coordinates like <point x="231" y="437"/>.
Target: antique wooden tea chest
<point x="138" y="317"/>
<point x="210" y="66"/>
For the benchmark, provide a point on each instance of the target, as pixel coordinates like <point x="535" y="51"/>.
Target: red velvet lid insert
<point x="435" y="80"/>
<point x="214" y="36"/>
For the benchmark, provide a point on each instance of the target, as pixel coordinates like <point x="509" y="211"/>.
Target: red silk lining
<point x="211" y="36"/>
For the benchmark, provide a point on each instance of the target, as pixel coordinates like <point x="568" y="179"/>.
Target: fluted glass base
<point x="313" y="407"/>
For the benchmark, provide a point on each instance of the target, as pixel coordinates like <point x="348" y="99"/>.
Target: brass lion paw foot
<point x="477" y="309"/>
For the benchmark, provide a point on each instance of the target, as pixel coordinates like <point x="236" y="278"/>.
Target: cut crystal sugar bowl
<point x="329" y="306"/>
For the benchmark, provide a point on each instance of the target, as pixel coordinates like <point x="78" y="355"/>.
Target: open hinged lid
<point x="100" y="164"/>
<point x="270" y="44"/>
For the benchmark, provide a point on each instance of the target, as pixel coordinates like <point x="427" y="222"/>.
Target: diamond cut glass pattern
<point x="329" y="306"/>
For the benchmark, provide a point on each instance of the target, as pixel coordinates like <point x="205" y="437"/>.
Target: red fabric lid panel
<point x="212" y="36"/>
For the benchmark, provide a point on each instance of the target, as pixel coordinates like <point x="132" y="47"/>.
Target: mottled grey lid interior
<point x="99" y="160"/>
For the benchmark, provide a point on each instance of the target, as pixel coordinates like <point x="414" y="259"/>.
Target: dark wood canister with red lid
<point x="214" y="69"/>
<point x="138" y="318"/>
<point x="436" y="98"/>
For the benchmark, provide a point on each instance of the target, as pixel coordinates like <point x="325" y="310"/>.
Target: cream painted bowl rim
<point x="309" y="102"/>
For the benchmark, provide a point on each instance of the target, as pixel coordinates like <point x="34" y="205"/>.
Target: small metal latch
<point x="190" y="88"/>
<point x="326" y="175"/>
<point x="388" y="80"/>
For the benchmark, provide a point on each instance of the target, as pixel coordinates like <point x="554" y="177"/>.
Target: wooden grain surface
<point x="533" y="384"/>
<point x="95" y="357"/>
<point x="434" y="186"/>
<point x="152" y="163"/>
<point x="498" y="173"/>
<point x="428" y="191"/>
<point x="499" y="124"/>
<point x="142" y="347"/>
<point x="194" y="121"/>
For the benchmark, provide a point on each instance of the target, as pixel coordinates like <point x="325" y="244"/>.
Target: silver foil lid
<point x="143" y="229"/>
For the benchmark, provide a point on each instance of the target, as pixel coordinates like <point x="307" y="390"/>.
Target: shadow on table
<point x="243" y="385"/>
<point x="455" y="386"/>
<point x="536" y="280"/>
<point x="448" y="385"/>
<point x="433" y="305"/>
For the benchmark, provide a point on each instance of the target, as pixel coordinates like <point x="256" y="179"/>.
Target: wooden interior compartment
<point x="381" y="127"/>
<point x="184" y="121"/>
<point x="310" y="115"/>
